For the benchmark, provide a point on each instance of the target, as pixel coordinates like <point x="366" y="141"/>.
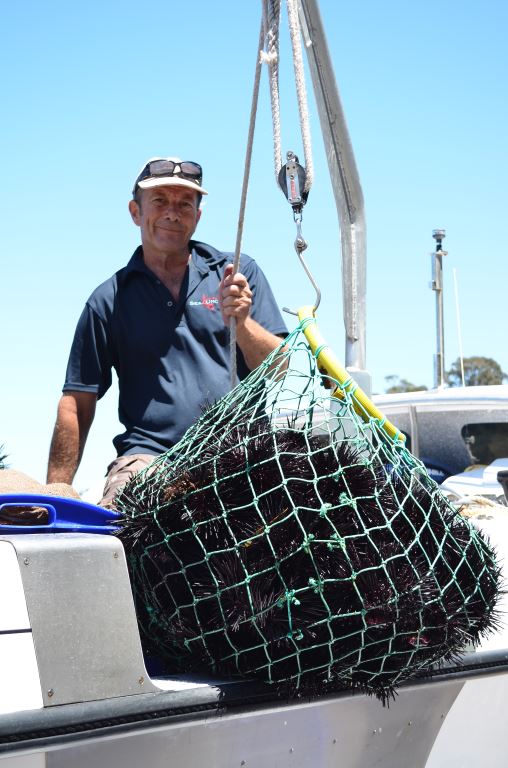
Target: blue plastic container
<point x="64" y="515"/>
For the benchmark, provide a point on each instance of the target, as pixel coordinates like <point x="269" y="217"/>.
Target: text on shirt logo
<point x="208" y="302"/>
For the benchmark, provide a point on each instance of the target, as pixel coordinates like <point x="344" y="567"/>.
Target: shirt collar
<point x="203" y="257"/>
<point x="136" y="263"/>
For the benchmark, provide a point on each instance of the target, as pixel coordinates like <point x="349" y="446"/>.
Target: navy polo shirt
<point x="171" y="358"/>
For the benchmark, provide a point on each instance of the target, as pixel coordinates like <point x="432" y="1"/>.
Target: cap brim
<point x="171" y="181"/>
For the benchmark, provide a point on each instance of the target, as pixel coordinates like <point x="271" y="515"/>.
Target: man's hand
<point x="235" y="296"/>
<point x="235" y="300"/>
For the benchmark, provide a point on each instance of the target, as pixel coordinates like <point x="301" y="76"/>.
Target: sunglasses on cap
<point x="186" y="169"/>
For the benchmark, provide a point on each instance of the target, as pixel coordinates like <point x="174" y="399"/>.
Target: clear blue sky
<point x="91" y="90"/>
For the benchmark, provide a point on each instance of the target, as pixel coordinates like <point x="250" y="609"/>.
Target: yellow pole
<point x="329" y="364"/>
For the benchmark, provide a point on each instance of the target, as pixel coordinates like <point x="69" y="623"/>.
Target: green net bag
<point x="286" y="537"/>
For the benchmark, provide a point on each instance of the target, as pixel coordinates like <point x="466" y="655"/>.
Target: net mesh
<point x="287" y="538"/>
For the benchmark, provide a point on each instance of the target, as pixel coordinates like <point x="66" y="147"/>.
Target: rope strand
<point x="243" y="199"/>
<point x="301" y="92"/>
<point x="271" y="58"/>
<point x="269" y="34"/>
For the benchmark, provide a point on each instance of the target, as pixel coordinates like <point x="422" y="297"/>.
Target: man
<point x="161" y="323"/>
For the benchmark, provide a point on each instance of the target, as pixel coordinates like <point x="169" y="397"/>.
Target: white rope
<point x="243" y="199"/>
<point x="271" y="19"/>
<point x="269" y="33"/>
<point x="301" y="92"/>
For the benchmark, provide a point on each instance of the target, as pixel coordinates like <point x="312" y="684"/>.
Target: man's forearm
<point x="74" y="418"/>
<point x="64" y="454"/>
<point x="255" y="342"/>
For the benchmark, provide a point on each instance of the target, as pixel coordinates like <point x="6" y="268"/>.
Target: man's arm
<point x="235" y="298"/>
<point x="76" y="411"/>
<point x="255" y="342"/>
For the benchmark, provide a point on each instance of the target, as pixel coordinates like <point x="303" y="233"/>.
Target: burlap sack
<point x="12" y="481"/>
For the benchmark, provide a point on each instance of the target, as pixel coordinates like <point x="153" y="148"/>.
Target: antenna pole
<point x="437" y="286"/>
<point x="459" y="328"/>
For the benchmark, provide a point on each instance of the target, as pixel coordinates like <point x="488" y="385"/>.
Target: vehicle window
<point x="486" y="442"/>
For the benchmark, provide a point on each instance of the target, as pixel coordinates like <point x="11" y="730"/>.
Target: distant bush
<point x="478" y="371"/>
<point x="401" y="385"/>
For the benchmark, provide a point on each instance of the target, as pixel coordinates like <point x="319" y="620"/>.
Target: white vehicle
<point x="480" y="482"/>
<point x="451" y="429"/>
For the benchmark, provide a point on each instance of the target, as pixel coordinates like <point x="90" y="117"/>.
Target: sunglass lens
<point x="191" y="169"/>
<point x="160" y="167"/>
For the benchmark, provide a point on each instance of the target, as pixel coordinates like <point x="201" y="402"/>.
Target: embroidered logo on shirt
<point x="209" y="302"/>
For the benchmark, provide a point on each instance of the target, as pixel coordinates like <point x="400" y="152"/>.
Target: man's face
<point x="167" y="217"/>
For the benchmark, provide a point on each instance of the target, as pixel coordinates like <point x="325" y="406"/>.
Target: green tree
<point x="477" y="371"/>
<point x="401" y="385"/>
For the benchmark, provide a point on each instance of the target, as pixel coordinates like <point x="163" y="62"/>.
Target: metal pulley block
<point x="292" y="178"/>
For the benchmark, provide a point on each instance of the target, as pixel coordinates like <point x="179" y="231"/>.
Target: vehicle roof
<point x="485" y="395"/>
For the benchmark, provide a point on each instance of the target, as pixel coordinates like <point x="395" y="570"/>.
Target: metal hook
<point x="291" y="179"/>
<point x="300" y="246"/>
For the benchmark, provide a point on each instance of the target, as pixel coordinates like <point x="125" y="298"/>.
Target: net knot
<point x="324" y="509"/>
<point x="316" y="584"/>
<point x="347" y="501"/>
<point x="336" y="542"/>
<point x="290" y="597"/>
